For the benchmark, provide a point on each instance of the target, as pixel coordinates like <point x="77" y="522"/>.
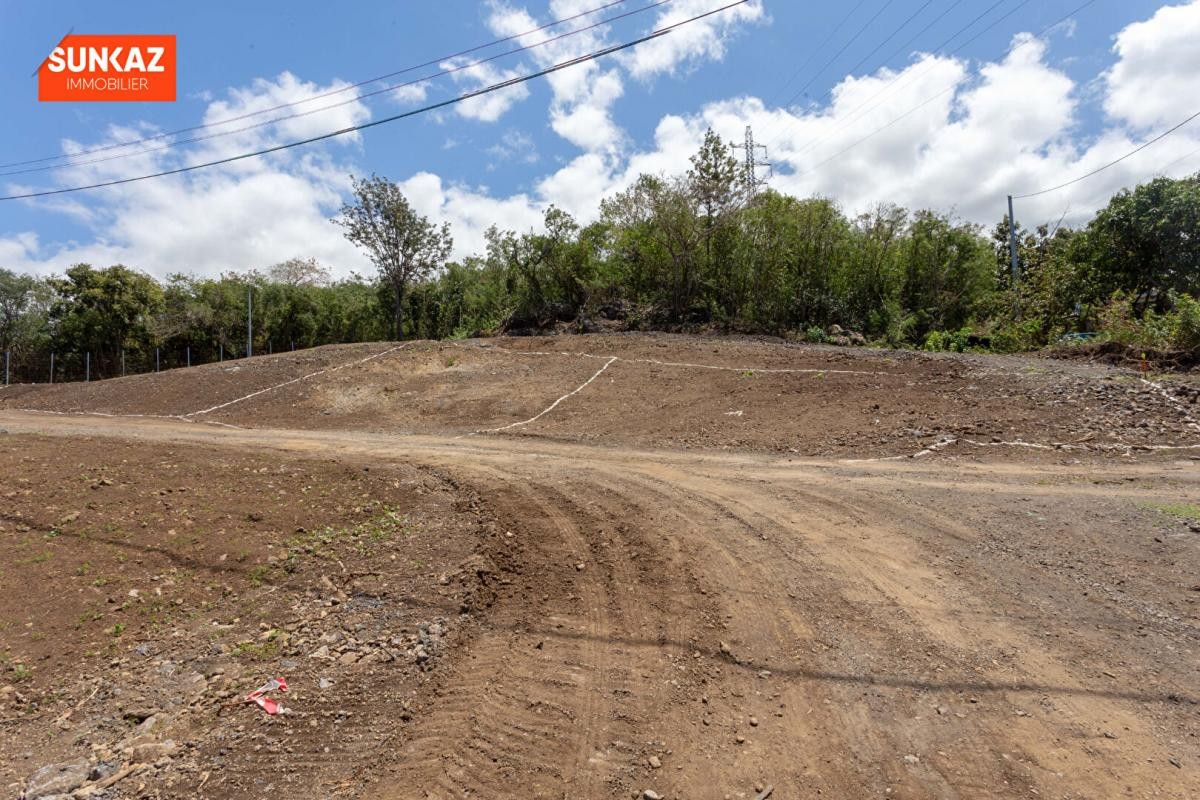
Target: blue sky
<point x="1006" y="120"/>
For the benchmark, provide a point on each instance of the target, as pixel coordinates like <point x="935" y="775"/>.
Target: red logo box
<point x="109" y="68"/>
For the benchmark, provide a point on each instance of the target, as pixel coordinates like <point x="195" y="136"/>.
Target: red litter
<point x="259" y="696"/>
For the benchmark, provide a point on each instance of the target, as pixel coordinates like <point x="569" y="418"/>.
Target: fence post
<point x="122" y="363"/>
<point x="189" y="355"/>
<point x="52" y="367"/>
<point x="87" y="368"/>
<point x="221" y="348"/>
<point x="7" y="362"/>
<point x="270" y="347"/>
<point x="156" y="359"/>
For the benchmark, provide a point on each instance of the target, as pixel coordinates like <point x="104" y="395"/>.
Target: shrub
<point x="1185" y="323"/>
<point x="951" y="341"/>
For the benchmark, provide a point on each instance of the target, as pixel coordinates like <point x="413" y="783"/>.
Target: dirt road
<point x="714" y="624"/>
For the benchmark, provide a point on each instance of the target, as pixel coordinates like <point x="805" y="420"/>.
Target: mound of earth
<point x="664" y="391"/>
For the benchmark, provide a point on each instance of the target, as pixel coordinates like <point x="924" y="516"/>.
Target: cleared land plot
<point x="639" y="590"/>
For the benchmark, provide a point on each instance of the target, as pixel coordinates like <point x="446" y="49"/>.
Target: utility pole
<point x="249" y="321"/>
<point x="1012" y="244"/>
<point x="751" y="163"/>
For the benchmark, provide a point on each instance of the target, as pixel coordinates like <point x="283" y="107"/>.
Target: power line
<point x="890" y="36"/>
<point x="920" y="33"/>
<point x="432" y="107"/>
<point x="1180" y="160"/>
<point x="854" y="114"/>
<point x="787" y="125"/>
<point x="331" y="92"/>
<point x="1132" y="152"/>
<point x="354" y="99"/>
<point x="949" y="88"/>
<point x="838" y="54"/>
<point x="817" y="49"/>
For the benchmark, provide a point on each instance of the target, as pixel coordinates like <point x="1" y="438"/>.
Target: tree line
<point x="705" y="250"/>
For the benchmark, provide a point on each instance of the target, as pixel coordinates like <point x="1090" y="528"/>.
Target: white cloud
<point x="1153" y="82"/>
<point x="938" y="133"/>
<point x="702" y="39"/>
<point x="470" y="211"/>
<point x="514" y="146"/>
<point x="246" y="215"/>
<point x="489" y="107"/>
<point x="314" y="110"/>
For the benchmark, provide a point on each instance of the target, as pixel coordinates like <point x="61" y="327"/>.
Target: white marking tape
<point x="550" y="407"/>
<point x="295" y="380"/>
<point x="768" y="370"/>
<point x="102" y="414"/>
<point x="1120" y="447"/>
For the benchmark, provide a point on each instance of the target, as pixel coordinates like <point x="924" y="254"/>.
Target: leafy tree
<point x="715" y="183"/>
<point x="1146" y="241"/>
<point x="403" y="245"/>
<point x="16" y="296"/>
<point x="103" y="312"/>
<point x="300" y="272"/>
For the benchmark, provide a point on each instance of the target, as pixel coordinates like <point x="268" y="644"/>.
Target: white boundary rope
<point x="550" y="407"/>
<point x="295" y="380"/>
<point x="1119" y="447"/>
<point x="686" y="365"/>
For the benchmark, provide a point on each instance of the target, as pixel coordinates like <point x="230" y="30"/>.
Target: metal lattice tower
<point x="751" y="162"/>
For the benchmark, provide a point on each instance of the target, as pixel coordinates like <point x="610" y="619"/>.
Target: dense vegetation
<point x="705" y="250"/>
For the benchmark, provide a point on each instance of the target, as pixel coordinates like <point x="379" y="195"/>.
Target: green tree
<point x="402" y="244"/>
<point x="1146" y="241"/>
<point x="103" y="312"/>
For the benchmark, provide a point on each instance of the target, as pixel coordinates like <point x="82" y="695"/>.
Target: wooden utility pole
<point x="249" y="321"/>
<point x="1012" y="243"/>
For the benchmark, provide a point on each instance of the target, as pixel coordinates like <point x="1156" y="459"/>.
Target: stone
<point x="650" y="794"/>
<point x="324" y="683"/>
<point x="57" y="779"/>
<point x="654" y="762"/>
<point x="910" y="759"/>
<point x="153" y="751"/>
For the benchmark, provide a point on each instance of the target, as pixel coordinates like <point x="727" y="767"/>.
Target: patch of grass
<point x="364" y="536"/>
<point x="263" y="650"/>
<point x="86" y="617"/>
<point x="1181" y="510"/>
<point x="116" y="630"/>
<point x="451" y="361"/>
<point x="21" y="672"/>
<point x="258" y="575"/>
<point x="42" y="558"/>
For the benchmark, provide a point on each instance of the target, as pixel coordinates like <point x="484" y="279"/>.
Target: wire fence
<point x="76" y="367"/>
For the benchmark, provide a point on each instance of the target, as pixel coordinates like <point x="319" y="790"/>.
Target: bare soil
<point x="889" y="575"/>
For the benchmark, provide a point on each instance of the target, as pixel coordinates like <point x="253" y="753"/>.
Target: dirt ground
<point x="603" y="566"/>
